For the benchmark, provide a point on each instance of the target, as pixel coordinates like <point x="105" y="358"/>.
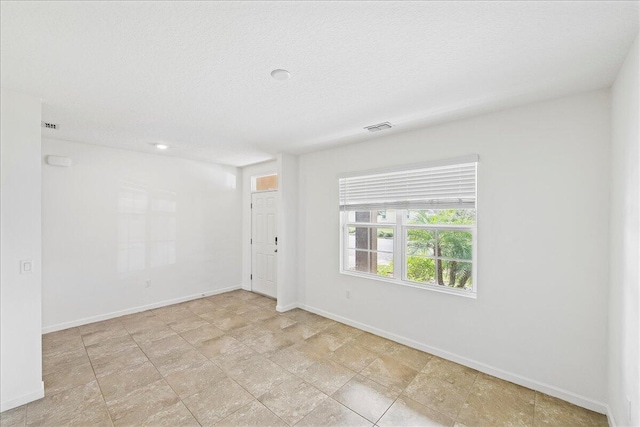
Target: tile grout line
<point x="293" y="374"/>
<point x="407" y="397"/>
<point x="163" y="377"/>
<point x="239" y="385"/>
<point x="297" y="377"/>
<point x="180" y="335"/>
<point x="371" y="379"/>
<point x="237" y="302"/>
<point x="96" y="376"/>
<point x="349" y="341"/>
<point x="256" y="398"/>
<point x="352" y="410"/>
<point x="226" y="375"/>
<point x="387" y="410"/>
<point x="535" y="405"/>
<point x="307" y="383"/>
<point x="322" y="357"/>
<point x="455" y="420"/>
<point x="283" y="368"/>
<point x="397" y="397"/>
<point x="243" y="406"/>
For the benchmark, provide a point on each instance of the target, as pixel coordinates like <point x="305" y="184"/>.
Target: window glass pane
<point x="380" y="263"/>
<point x="266" y="183"/>
<point x="387" y="216"/>
<point x="371" y="238"/>
<point x="456" y="274"/>
<point x="421" y="242"/>
<point x="362" y="261"/>
<point x="385" y="238"/>
<point x="384" y="264"/>
<point x="362" y="216"/>
<point x="442" y="216"/>
<point x="360" y="238"/>
<point x="455" y="244"/>
<point x="370" y="250"/>
<point x="370" y="245"/>
<point x="358" y="261"/>
<point x="420" y="269"/>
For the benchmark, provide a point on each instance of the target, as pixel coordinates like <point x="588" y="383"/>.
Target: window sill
<point x="434" y="288"/>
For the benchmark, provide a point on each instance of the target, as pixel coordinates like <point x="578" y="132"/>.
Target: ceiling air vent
<point x="48" y="125"/>
<point x="379" y="127"/>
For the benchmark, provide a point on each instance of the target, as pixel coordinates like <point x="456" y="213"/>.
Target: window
<point x="370" y="241"/>
<point x="264" y="183"/>
<point x="414" y="226"/>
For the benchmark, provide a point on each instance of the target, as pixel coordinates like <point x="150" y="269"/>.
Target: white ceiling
<point x="196" y="75"/>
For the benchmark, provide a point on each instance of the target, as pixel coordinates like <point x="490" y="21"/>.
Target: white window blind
<point x="447" y="184"/>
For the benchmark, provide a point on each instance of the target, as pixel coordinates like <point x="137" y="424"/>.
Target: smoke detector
<point x="48" y="125"/>
<point x="379" y="127"/>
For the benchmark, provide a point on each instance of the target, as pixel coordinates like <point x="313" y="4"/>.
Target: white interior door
<point x="264" y="243"/>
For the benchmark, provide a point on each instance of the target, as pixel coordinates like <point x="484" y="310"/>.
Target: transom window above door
<point x="264" y="183"/>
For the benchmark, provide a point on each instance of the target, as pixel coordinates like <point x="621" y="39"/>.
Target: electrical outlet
<point x="348" y="294"/>
<point x="148" y="283"/>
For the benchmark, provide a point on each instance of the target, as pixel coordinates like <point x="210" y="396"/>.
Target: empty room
<point x="331" y="213"/>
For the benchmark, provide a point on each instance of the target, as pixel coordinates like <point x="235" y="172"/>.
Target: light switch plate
<point x="26" y="266"/>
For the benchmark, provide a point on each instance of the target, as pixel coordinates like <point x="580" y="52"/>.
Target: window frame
<point x="344" y="249"/>
<point x="400" y="228"/>
<point x="437" y="228"/>
<point x="255" y="178"/>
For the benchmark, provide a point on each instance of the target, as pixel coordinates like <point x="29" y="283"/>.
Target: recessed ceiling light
<point x="161" y="146"/>
<point x="280" y="74"/>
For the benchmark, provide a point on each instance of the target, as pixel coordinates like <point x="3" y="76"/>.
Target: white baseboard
<point x="21" y="400"/>
<point x="568" y="396"/>
<point x="107" y="316"/>
<point x="283" y="308"/>
<point x="610" y="418"/>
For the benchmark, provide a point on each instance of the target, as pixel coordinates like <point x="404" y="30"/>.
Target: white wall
<point x="287" y="232"/>
<point x="117" y="218"/>
<point x="624" y="299"/>
<point x="265" y="168"/>
<point x="540" y="318"/>
<point x="20" y="294"/>
<point x="286" y="166"/>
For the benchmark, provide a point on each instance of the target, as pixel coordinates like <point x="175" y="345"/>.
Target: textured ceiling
<point x="196" y="75"/>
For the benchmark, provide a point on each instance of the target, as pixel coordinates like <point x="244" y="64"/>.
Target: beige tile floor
<point x="232" y="360"/>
